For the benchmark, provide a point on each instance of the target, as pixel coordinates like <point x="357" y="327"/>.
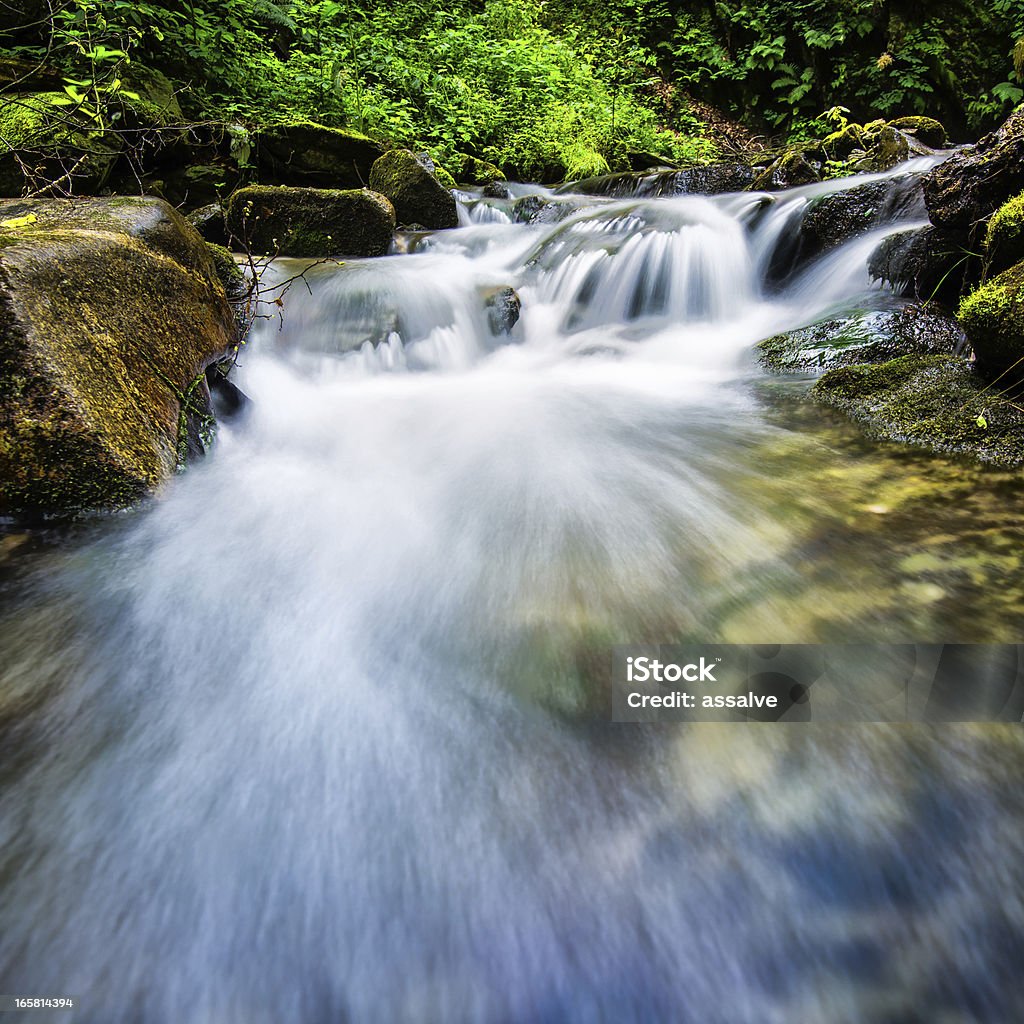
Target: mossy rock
<point x="868" y="337"/>
<point x="228" y="272"/>
<point x="198" y="185"/>
<point x="110" y="311"/>
<point x="886" y="148"/>
<point x="790" y="170"/>
<point x="306" y="153"/>
<point x="469" y="170"/>
<point x="839" y="145"/>
<point x="993" y="318"/>
<point x="418" y="197"/>
<point x="26" y="76"/>
<point x="973" y="183"/>
<point x="936" y="402"/>
<point x="444" y="177"/>
<point x="310" y="222"/>
<point x="1004" y="238"/>
<point x="924" y="129"/>
<point x="38" y="146"/>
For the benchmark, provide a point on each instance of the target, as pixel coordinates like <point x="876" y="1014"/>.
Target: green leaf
<point x="982" y="422"/>
<point x="18" y="222"/>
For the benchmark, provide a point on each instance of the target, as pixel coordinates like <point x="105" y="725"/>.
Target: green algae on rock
<point x="861" y="338"/>
<point x="110" y="311"/>
<point x="993" y="318"/>
<point x="936" y="402"/>
<point x="307" y="153"/>
<point x="310" y="222"/>
<point x="417" y="195"/>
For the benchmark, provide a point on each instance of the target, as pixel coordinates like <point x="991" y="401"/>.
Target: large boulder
<point x="1004" y="238"/>
<point x="993" y="318"/>
<point x="862" y="338"/>
<point x="310" y="222"/>
<point x="42" y="143"/>
<point x="973" y="183"/>
<point x="937" y="402"/>
<point x="306" y="153"/>
<point x="418" y="197"/>
<point x="110" y="312"/>
<point x="921" y="262"/>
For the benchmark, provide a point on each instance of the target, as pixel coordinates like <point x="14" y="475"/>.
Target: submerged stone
<point x="922" y="262"/>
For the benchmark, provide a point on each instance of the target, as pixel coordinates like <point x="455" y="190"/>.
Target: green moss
<point x="310" y="222"/>
<point x="1004" y="238"/>
<point x="37" y="131"/>
<point x="931" y="401"/>
<point x="469" y="170"/>
<point x="229" y="273"/>
<point x="925" y="129"/>
<point x="993" y="318"/>
<point x="444" y="177"/>
<point x="100" y="335"/>
<point x="418" y="197"/>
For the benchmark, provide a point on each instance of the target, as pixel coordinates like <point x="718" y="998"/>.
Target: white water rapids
<point x="319" y="736"/>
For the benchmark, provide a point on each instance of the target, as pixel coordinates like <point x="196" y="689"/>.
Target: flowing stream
<point x="321" y="734"/>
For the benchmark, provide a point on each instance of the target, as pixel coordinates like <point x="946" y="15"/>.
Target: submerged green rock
<point x="110" y="311"/>
<point x="936" y="402"/>
<point x="310" y="222"/>
<point x="993" y="317"/>
<point x="417" y="195"/>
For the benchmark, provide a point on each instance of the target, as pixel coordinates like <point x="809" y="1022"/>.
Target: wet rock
<point x="973" y="183"/>
<point x="711" y="179"/>
<point x="885" y="148"/>
<point x="417" y="196"/>
<point x="641" y="161"/>
<point x="1004" y="238"/>
<point x="497" y="190"/>
<point x="110" y="312"/>
<point x="503" y="307"/>
<point x="469" y="170"/>
<point x="840" y="216"/>
<point x="310" y="222"/>
<point x="790" y="170"/>
<point x="863" y="338"/>
<point x="841" y="144"/>
<point x="540" y="210"/>
<point x="210" y="223"/>
<point x="924" y="129"/>
<point x="28" y="76"/>
<point x="921" y="262"/>
<point x="42" y="142"/>
<point x="993" y="318"/>
<point x="196" y="185"/>
<point x="306" y="153"/>
<point x="936" y="402"/>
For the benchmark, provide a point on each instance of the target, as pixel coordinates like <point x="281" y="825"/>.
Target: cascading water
<point x="320" y="735"/>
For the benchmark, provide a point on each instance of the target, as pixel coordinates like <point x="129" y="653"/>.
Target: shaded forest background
<point x="562" y="88"/>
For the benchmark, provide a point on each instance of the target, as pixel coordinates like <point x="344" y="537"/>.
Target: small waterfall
<point x="322" y="734"/>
